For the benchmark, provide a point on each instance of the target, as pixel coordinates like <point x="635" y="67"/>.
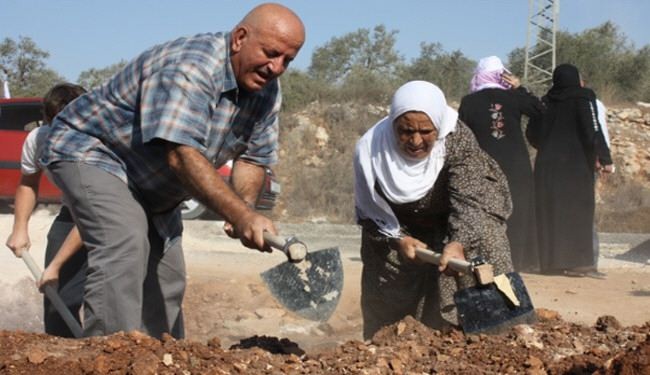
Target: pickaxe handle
<point x="295" y="250"/>
<point x="483" y="272"/>
<point x="53" y="296"/>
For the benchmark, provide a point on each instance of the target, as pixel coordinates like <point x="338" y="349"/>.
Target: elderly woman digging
<point x="422" y="181"/>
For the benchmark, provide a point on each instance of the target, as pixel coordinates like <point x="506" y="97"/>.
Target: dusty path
<point x="226" y="297"/>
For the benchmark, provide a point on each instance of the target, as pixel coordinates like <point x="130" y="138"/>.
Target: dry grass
<point x="318" y="182"/>
<point x="624" y="207"/>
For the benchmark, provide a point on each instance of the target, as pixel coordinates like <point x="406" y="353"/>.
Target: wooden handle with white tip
<point x="295" y="250"/>
<point x="53" y="296"/>
<point x="432" y="257"/>
<point x="483" y="273"/>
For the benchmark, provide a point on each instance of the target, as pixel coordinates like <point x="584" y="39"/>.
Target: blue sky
<point x="84" y="34"/>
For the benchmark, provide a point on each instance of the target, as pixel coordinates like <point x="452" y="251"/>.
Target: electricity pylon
<point x="540" y="43"/>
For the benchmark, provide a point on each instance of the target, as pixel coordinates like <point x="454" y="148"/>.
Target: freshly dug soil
<point x="234" y="325"/>
<point x="552" y="346"/>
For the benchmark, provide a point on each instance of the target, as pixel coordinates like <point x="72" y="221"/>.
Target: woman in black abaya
<point x="493" y="111"/>
<point x="570" y="149"/>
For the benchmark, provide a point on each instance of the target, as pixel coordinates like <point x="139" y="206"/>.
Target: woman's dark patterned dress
<point x="468" y="203"/>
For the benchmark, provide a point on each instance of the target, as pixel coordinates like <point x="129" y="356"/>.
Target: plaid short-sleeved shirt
<point x="184" y="92"/>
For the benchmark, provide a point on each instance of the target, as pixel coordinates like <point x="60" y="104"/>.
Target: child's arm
<point x="69" y="247"/>
<point x="26" y="194"/>
<point x="25" y="201"/>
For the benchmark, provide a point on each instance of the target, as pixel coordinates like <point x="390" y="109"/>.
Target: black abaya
<point x="494" y="115"/>
<point x="568" y="141"/>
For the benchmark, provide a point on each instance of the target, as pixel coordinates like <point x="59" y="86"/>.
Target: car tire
<point x="192" y="209"/>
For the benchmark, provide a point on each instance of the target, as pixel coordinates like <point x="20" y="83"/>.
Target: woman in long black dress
<point x="493" y="110"/>
<point x="570" y="148"/>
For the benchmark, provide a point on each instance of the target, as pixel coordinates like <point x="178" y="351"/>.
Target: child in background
<point x="69" y="267"/>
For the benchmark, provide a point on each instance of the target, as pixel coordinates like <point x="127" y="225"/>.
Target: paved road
<point x="617" y="250"/>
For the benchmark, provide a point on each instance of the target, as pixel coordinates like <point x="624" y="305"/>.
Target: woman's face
<point x="415" y="134"/>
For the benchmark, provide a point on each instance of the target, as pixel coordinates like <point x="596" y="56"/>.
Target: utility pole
<point x="543" y="18"/>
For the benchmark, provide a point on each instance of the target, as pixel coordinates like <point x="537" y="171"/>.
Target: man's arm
<point x="204" y="182"/>
<point x="247" y="180"/>
<point x="24" y="203"/>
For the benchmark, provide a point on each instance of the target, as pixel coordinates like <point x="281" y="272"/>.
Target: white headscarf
<point x="378" y="158"/>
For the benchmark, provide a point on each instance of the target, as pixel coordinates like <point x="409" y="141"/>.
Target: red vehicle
<point x="17" y="117"/>
<point x="20" y="115"/>
<point x="193" y="209"/>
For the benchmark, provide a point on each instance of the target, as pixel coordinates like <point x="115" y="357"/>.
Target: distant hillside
<point x="317" y="146"/>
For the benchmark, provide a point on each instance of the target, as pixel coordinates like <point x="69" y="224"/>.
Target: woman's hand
<point x="453" y="250"/>
<point x="407" y="245"/>
<point x="604" y="170"/>
<point x="511" y="79"/>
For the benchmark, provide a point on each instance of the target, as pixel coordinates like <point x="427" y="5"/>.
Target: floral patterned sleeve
<point x="478" y="191"/>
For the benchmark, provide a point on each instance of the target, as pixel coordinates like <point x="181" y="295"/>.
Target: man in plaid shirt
<point x="129" y="152"/>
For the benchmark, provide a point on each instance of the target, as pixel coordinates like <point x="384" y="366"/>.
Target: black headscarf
<point x="566" y="84"/>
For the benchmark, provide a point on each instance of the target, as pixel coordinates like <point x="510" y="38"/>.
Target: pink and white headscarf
<point x="488" y="75"/>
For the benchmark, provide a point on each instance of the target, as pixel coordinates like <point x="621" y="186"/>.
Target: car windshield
<point x="20" y="116"/>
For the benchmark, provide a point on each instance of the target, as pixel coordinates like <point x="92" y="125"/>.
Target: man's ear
<point x="238" y="37"/>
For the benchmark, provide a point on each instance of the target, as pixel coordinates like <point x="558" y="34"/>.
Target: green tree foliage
<point x="359" y="66"/>
<point x="598" y="53"/>
<point x="359" y="50"/>
<point x="367" y="86"/>
<point x="609" y="63"/>
<point x="96" y="77"/>
<point x="299" y="89"/>
<point x="24" y="65"/>
<point x="516" y="64"/>
<point x="451" y="71"/>
<point x="516" y="61"/>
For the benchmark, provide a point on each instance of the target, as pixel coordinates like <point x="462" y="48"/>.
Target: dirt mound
<point x="552" y="346"/>
<point x="634" y="361"/>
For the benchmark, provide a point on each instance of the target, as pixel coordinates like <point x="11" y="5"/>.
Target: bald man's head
<point x="263" y="44"/>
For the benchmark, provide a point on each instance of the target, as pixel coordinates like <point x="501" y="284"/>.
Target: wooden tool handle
<point x="457" y="265"/>
<point x="53" y="296"/>
<point x="295" y="250"/>
<point x="277" y="242"/>
<point x="484" y="273"/>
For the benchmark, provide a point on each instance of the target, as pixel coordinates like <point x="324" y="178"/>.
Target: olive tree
<point x="608" y="62"/>
<point x="451" y="71"/>
<point x="23" y="64"/>
<point x="359" y="50"/>
<point x="95" y="77"/>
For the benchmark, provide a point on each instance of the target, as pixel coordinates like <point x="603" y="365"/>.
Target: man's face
<point x="415" y="134"/>
<point x="258" y="57"/>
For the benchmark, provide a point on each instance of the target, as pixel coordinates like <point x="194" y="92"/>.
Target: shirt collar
<point x="229" y="79"/>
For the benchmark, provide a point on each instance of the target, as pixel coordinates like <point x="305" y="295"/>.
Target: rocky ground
<point x="235" y="326"/>
<point x="552" y="346"/>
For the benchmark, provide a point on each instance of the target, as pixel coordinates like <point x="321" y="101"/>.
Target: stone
<point x="37" y="356"/>
<point x="167" y="359"/>
<point x="269" y="312"/>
